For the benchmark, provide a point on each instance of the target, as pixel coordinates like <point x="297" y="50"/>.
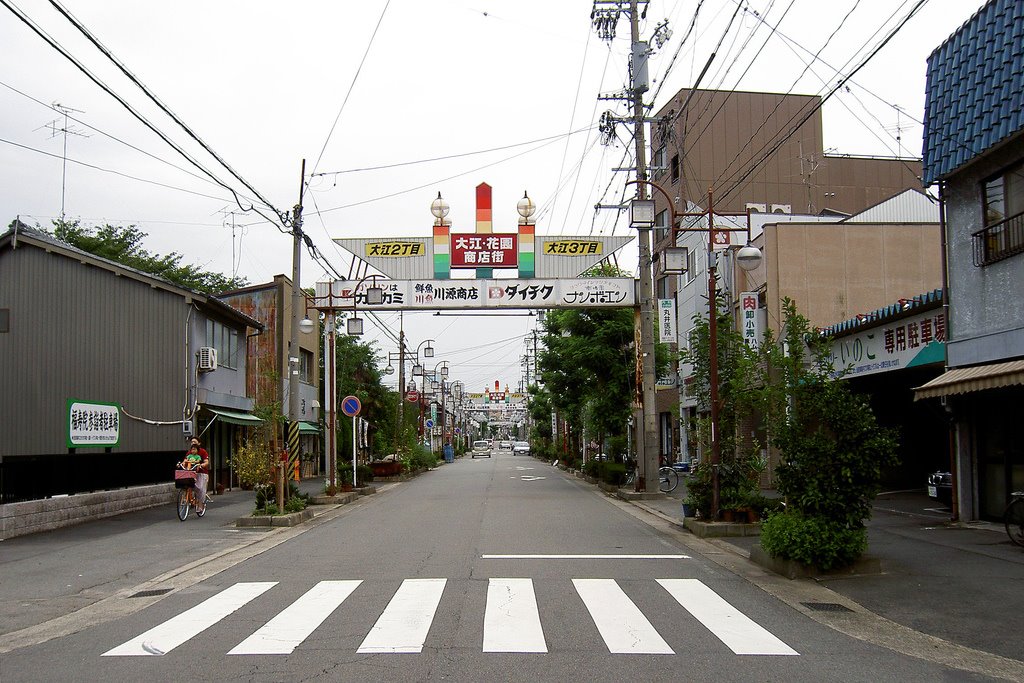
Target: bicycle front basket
<point x="184" y="479"/>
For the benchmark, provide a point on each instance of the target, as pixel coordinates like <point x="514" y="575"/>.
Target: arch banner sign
<point x="533" y="293"/>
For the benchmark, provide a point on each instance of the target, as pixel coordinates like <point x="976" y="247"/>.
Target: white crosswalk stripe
<point x="406" y="620"/>
<point x="187" y="625"/>
<point x="287" y="630"/>
<point x="740" y="633"/>
<point x="511" y="620"/>
<point x="622" y="625"/>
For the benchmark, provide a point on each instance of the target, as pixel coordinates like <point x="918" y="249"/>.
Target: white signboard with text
<point x="478" y="294"/>
<point x="908" y="342"/>
<point x="92" y="424"/>
<point x="667" y="321"/>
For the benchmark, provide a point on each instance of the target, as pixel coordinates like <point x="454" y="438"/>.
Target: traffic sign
<point x="412" y="396"/>
<point x="351" y="406"/>
<point x="429" y="423"/>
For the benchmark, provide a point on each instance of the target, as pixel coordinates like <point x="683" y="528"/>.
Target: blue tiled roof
<point x="901" y="308"/>
<point x="975" y="93"/>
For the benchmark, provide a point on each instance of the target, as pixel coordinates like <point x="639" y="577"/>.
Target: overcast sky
<point x="361" y="90"/>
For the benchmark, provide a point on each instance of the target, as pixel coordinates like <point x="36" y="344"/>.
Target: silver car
<point x="481" y="448"/>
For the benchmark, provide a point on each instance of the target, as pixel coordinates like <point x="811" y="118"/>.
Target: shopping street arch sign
<point x="418" y="271"/>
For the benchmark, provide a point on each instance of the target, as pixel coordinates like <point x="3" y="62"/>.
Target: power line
<point x="174" y="117"/>
<point x="103" y="86"/>
<point x="351" y="85"/>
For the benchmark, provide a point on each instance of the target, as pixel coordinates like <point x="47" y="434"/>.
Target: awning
<point x="235" y="418"/>
<point x="977" y="378"/>
<point x="309" y="428"/>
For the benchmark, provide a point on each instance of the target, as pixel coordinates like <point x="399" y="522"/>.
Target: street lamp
<point x="374" y="297"/>
<point x="747" y="258"/>
<point x="417" y="368"/>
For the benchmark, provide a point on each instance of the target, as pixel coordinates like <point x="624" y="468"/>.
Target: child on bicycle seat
<point x="192" y="458"/>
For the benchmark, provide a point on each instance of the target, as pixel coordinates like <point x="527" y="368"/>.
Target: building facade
<point x="743" y="147"/>
<point x="268" y="380"/>
<point x="98" y="359"/>
<point x="974" y="149"/>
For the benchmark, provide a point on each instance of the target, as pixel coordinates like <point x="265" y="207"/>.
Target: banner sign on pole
<point x="667" y="321"/>
<point x="751" y="321"/>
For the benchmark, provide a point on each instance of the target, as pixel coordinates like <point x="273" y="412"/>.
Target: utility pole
<point x="604" y="17"/>
<point x="293" y="345"/>
<point x="401" y="376"/>
<point x="647" y="438"/>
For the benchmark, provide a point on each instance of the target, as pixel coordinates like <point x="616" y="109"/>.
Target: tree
<point x="124" y="245"/>
<point x="588" y="366"/>
<point x="831" y="447"/>
<point x="744" y="388"/>
<point x="833" y="452"/>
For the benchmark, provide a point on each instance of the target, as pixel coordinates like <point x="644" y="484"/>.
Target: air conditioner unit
<point x="207" y="359"/>
<point x="755" y="207"/>
<point x="782" y="208"/>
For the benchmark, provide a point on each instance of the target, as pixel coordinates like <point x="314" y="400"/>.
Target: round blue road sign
<point x="351" y="406"/>
<point x="429" y="423"/>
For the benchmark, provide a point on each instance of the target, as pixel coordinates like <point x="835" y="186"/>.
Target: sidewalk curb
<point x="858" y="622"/>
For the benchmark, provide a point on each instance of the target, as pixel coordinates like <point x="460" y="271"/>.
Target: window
<point x="306" y="366"/>
<point x="691" y="265"/>
<point x="1003" y="206"/>
<point x="662" y="288"/>
<point x="661" y="226"/>
<point x="225" y="340"/>
<point x="5" y="320"/>
<point x="674" y="168"/>
<point x="658" y="162"/>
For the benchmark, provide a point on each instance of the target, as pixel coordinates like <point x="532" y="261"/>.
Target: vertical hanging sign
<point x="667" y="321"/>
<point x="753" y="332"/>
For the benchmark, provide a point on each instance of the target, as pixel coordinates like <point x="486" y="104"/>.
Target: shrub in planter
<point x="813" y="541"/>
<point x="613" y="473"/>
<point x="364" y="474"/>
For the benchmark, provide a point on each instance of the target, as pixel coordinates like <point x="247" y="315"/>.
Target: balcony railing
<point x="999" y="241"/>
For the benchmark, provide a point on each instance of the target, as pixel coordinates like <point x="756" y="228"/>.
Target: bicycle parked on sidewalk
<point x="185" y="481"/>
<point x="1013" y="518"/>
<point x="668" y="477"/>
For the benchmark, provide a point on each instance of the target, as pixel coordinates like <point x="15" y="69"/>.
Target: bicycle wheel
<point x="668" y="479"/>
<point x="183" y="503"/>
<point x="1013" y="518"/>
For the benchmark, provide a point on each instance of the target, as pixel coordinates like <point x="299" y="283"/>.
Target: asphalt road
<point x="490" y="569"/>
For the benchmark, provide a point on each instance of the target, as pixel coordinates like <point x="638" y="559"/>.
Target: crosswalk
<point x="511" y="619"/>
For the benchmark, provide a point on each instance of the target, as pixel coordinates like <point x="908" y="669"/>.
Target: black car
<point x="940" y="487"/>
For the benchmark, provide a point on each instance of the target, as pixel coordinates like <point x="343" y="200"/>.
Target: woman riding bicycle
<point x="199" y="460"/>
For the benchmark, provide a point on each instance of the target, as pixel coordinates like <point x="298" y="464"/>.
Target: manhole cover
<point x="826" y="607"/>
<point x="150" y="593"/>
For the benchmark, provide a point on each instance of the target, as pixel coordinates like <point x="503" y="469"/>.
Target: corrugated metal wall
<point x="82" y="332"/>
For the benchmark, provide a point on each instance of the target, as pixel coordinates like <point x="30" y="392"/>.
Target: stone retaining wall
<point x="32" y="516"/>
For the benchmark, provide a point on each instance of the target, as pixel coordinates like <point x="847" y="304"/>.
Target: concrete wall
<point x="986" y="319"/>
<point x="18" y="519"/>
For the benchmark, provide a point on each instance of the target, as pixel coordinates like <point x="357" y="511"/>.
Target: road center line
<point x="585" y="557"/>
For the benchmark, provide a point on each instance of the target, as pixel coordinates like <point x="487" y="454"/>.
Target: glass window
<point x="306" y="366"/>
<point x="674" y="168"/>
<point x="1003" y="205"/>
<point x="661" y="226"/>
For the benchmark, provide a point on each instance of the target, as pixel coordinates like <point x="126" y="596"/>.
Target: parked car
<point x="521" y="448"/>
<point x="481" y="448"/>
<point x="940" y="487"/>
<point x="504" y="445"/>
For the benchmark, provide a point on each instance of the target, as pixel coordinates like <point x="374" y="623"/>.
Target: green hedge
<point x="813" y="541"/>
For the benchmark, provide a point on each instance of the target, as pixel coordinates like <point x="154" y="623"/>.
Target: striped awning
<point x="976" y="378"/>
